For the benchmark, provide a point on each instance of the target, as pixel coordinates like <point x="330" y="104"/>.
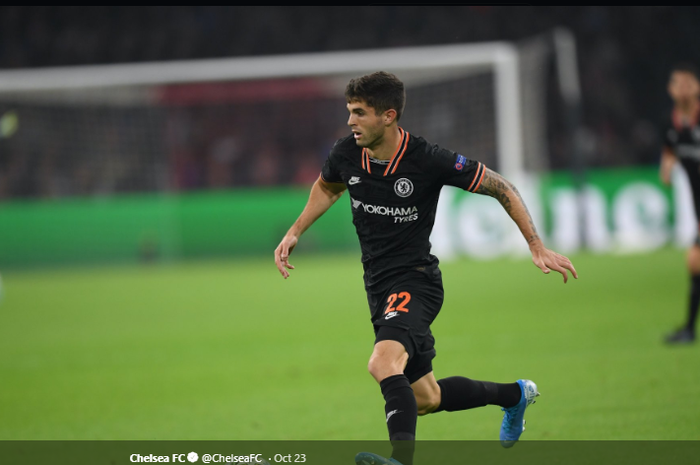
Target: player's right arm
<point x="323" y="195"/>
<point x="668" y="159"/>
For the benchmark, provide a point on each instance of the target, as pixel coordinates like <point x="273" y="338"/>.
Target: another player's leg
<point x="459" y="393"/>
<point x="386" y="365"/>
<point x="686" y="334"/>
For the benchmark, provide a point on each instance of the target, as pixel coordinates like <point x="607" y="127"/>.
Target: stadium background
<point x="119" y="324"/>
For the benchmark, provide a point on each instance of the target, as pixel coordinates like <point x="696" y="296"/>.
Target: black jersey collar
<point x="395" y="160"/>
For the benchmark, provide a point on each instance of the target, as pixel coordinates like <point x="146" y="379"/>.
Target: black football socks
<point x="401" y="416"/>
<point x="694" y="302"/>
<point x="459" y="393"/>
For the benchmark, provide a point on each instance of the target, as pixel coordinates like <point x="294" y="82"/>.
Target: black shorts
<point x="404" y="313"/>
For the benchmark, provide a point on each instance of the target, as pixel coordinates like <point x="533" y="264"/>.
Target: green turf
<point x="229" y="350"/>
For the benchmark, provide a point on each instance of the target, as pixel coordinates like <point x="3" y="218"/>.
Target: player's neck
<point x="688" y="108"/>
<point x="387" y="147"/>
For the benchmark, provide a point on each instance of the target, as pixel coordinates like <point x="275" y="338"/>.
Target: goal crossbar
<point x="500" y="57"/>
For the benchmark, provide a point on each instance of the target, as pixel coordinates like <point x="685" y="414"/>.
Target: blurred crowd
<point x="624" y="54"/>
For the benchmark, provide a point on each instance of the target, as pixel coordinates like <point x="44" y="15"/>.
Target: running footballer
<point x="394" y="180"/>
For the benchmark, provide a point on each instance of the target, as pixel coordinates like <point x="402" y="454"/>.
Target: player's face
<point x="683" y="86"/>
<point x="367" y="126"/>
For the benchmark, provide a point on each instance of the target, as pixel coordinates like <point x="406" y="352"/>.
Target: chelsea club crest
<point x="403" y="187"/>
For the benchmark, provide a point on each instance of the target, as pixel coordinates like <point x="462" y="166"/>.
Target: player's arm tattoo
<point x="498" y="187"/>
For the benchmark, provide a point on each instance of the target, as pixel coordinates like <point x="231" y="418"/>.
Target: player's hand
<point x="548" y="260"/>
<point x="282" y="255"/>
<point x="665" y="177"/>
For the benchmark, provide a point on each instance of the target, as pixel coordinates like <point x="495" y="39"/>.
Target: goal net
<point x="173" y="126"/>
<point x="253" y="122"/>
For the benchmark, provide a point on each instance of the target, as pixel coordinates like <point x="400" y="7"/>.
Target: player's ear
<point x="389" y="117"/>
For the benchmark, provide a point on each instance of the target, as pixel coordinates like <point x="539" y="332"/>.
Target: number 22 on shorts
<point x="401" y="299"/>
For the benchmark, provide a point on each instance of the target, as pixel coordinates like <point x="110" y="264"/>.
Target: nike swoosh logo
<point x="392" y="413"/>
<point x="353" y="181"/>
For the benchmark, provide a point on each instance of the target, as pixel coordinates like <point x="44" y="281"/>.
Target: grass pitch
<point x="230" y="350"/>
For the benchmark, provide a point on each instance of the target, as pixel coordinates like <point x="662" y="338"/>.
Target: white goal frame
<point x="499" y="57"/>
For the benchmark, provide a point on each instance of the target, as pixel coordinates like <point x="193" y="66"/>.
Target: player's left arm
<point x="496" y="186"/>
<point x="668" y="160"/>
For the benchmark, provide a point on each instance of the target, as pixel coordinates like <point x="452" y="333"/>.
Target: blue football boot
<point x="513" y="423"/>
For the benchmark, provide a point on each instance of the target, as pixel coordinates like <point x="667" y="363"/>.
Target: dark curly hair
<point x="381" y="90"/>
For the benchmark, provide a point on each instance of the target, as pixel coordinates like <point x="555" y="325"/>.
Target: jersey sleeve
<point x="669" y="137"/>
<point x="456" y="170"/>
<point x="330" y="172"/>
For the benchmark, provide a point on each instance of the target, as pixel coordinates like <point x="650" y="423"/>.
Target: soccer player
<point x="681" y="143"/>
<point x="394" y="179"/>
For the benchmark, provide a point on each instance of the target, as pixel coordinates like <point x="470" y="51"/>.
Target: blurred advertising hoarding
<point x="618" y="211"/>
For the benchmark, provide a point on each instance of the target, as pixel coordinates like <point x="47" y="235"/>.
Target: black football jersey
<point x="683" y="137"/>
<point x="394" y="202"/>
